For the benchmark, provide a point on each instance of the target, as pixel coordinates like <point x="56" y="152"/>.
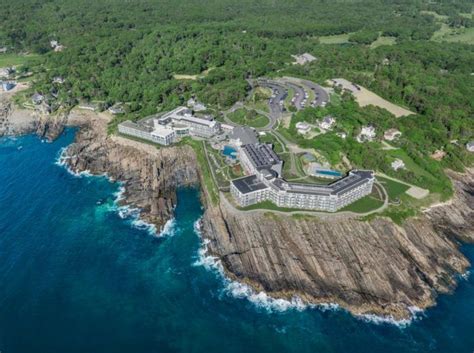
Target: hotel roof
<point x="261" y="155"/>
<point x="351" y="181"/>
<point x="248" y="184"/>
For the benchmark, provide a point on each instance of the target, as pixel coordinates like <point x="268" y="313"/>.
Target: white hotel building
<point x="172" y="125"/>
<point x="162" y="135"/>
<point x="183" y="117"/>
<point x="265" y="183"/>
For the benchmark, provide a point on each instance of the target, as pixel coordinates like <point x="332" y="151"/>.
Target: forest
<point x="132" y="52"/>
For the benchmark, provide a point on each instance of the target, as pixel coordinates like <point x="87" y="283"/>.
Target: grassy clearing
<point x="335" y="39"/>
<point x="461" y="35"/>
<point x="269" y="138"/>
<point x="409" y="163"/>
<point x="394" y="189"/>
<point x="192" y="77"/>
<point x="382" y="40"/>
<point x="365" y="204"/>
<point x="436" y="15"/>
<point x="16" y="59"/>
<point x="249" y="118"/>
<point x="209" y="186"/>
<point x="134" y="138"/>
<point x="268" y="205"/>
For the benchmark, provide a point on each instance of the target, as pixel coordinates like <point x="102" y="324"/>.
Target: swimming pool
<point x="229" y="151"/>
<point x="329" y="173"/>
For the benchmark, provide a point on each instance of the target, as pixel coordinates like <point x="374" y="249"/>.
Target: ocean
<point x="79" y="274"/>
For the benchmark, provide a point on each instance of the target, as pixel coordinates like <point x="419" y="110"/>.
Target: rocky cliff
<point x="17" y="121"/>
<point x="374" y="267"/>
<point x="150" y="176"/>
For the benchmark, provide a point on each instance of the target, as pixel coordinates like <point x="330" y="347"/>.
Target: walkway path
<point x="413" y="191"/>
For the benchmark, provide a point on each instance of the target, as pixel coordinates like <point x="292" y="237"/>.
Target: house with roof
<point x="327" y="123"/>
<point x="397" y="164"/>
<point x="37" y="98"/>
<point x="195" y="105"/>
<point x="304" y="58"/>
<point x="392" y="134"/>
<point x="470" y="146"/>
<point x="303" y="128"/>
<point x="8" y="85"/>
<point x="367" y="133"/>
<point x="117" y="108"/>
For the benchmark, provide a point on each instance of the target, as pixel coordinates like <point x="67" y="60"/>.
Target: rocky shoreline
<point x="374" y="267"/>
<point x="367" y="267"/>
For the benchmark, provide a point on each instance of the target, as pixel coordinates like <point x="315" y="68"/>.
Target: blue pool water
<point x="229" y="151"/>
<point x="328" y="172"/>
<point x="77" y="277"/>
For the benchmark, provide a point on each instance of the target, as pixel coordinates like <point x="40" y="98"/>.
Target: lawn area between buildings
<point x="394" y="189"/>
<point x="364" y="205"/>
<point x="209" y="185"/>
<point x="250" y="118"/>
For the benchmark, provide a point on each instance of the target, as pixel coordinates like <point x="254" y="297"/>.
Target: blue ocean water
<point x="77" y="277"/>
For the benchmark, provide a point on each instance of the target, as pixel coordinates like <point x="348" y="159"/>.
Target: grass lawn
<point x="244" y="117"/>
<point x="134" y="138"/>
<point x="335" y="39"/>
<point x="394" y="189"/>
<point x="268" y="205"/>
<point x="382" y="40"/>
<point x="363" y="205"/>
<point x="269" y="138"/>
<point x="462" y="35"/>
<point x="409" y="163"/>
<point x="289" y="97"/>
<point x="16" y="59"/>
<point x="209" y="185"/>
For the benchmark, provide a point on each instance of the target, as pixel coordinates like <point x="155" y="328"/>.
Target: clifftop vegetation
<point x="129" y="51"/>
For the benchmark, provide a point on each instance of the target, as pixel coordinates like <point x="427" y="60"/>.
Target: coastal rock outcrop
<point x="15" y="121"/>
<point x="150" y="176"/>
<point x="367" y="267"/>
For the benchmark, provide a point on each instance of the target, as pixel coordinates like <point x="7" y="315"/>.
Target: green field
<point x="335" y="39"/>
<point x="382" y="40"/>
<point x="409" y="163"/>
<point x="394" y="189"/>
<point x="366" y="204"/>
<point x="16" y="59"/>
<point x="249" y="118"/>
<point x="209" y="185"/>
<point x="462" y="35"/>
<point x="269" y="138"/>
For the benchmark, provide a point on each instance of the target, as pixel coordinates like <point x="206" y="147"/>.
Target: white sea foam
<point x="239" y="290"/>
<point x="262" y="300"/>
<point x="415" y="312"/>
<point x="61" y="161"/>
<point x="465" y="275"/>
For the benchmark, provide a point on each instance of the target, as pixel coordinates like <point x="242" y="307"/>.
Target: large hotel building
<point x="168" y="128"/>
<point x="265" y="183"/>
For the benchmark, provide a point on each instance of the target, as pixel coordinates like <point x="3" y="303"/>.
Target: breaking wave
<point x="415" y="312"/>
<point x="262" y="300"/>
<point x="240" y="290"/>
<point x="61" y="160"/>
